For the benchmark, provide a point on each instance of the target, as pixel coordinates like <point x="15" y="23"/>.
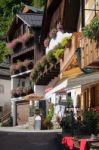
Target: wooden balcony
<point x="89" y="53"/>
<point x="48" y="74"/>
<point x="69" y="52"/>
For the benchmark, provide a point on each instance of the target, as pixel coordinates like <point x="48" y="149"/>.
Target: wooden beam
<point x="71" y="73"/>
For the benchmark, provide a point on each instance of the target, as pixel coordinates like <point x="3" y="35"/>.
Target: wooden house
<point x="23" y="38"/>
<point x="70" y="73"/>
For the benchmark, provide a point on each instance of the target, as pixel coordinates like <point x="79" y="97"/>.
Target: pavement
<point x="14" y="138"/>
<point x="22" y="129"/>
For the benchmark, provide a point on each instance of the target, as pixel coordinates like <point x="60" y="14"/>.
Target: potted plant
<point x="91" y="30"/>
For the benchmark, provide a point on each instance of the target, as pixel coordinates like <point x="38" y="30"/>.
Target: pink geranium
<point x="12" y="44"/>
<point x="24" y="37"/>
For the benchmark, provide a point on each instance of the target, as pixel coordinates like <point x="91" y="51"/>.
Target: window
<point x="90" y="8"/>
<point x="69" y="94"/>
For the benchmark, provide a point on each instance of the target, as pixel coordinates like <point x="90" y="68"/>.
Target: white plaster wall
<point x="6" y="95"/>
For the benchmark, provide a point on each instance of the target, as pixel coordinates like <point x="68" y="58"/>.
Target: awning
<point x="83" y="80"/>
<point x="33" y="97"/>
<point x="74" y="82"/>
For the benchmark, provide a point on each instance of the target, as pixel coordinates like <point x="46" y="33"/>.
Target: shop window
<point x="90" y="8"/>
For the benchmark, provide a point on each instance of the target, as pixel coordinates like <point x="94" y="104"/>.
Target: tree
<point x="3" y="50"/>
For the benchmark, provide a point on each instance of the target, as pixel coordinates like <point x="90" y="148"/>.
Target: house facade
<point x="74" y="72"/>
<point x="23" y="39"/>
<point x="5" y="90"/>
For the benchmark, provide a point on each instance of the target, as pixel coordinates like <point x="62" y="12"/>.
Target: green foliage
<point x="59" y="53"/>
<point x="65" y="41"/>
<point x="90" y="122"/>
<point x="38" y="3"/>
<point x="3" y="50"/>
<point x="69" y="102"/>
<point x="40" y="66"/>
<point x="8" y="9"/>
<point x="51" y="57"/>
<point x="50" y="112"/>
<point x="91" y="31"/>
<point x="34" y="74"/>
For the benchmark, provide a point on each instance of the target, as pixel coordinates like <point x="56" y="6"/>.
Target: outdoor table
<point x="94" y="145"/>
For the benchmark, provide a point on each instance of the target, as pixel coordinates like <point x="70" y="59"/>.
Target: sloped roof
<point x="4" y="65"/>
<point x="83" y="80"/>
<point x="32" y="20"/>
<point x="4" y="72"/>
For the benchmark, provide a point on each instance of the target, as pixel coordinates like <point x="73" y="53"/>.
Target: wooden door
<point x="22" y="113"/>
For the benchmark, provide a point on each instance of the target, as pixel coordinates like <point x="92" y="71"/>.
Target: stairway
<point x="4" y="117"/>
<point x="29" y="141"/>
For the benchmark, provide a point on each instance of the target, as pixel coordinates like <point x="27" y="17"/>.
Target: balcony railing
<point x="21" y="43"/>
<point x="55" y="61"/>
<point x="49" y="73"/>
<point x="21" y="92"/>
<point x="89" y="53"/>
<point x="21" y="67"/>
